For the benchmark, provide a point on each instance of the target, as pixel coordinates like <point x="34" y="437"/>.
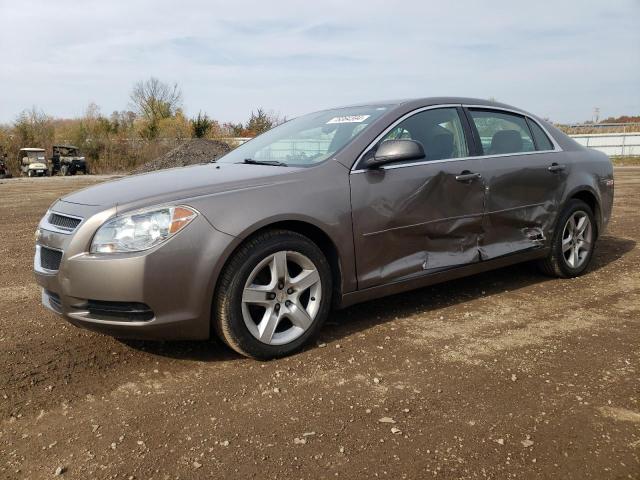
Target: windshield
<point x="34" y="156"/>
<point x="307" y="140"/>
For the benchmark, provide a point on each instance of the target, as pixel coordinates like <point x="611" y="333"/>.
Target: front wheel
<point x="573" y="242"/>
<point x="273" y="295"/>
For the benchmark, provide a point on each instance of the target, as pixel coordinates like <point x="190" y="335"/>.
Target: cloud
<point x="557" y="59"/>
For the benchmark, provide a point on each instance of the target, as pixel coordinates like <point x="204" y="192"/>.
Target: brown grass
<point x="626" y="161"/>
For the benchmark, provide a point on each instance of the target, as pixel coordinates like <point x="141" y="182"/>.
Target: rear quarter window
<point x="541" y="139"/>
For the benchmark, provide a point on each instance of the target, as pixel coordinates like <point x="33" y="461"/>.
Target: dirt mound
<point x="196" y="150"/>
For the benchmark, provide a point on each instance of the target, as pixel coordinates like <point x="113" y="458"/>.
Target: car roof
<point x="428" y="101"/>
<point x="30" y="149"/>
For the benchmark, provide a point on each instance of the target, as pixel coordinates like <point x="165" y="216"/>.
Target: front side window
<point x="502" y="132"/>
<point x="438" y="130"/>
<point x="307" y="140"/>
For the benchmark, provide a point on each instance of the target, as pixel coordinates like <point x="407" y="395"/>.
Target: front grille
<point x="49" y="258"/>
<point x="63" y="222"/>
<point x="123" y="311"/>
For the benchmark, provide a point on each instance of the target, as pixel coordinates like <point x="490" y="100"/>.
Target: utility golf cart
<point x="66" y="160"/>
<point x="4" y="170"/>
<point x="33" y="162"/>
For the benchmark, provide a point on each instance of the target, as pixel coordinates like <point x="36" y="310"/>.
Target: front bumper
<point x="163" y="293"/>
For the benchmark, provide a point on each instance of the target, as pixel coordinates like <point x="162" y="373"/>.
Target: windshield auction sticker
<point x="349" y="119"/>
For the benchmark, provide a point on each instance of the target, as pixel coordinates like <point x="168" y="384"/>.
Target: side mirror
<point x="391" y="151"/>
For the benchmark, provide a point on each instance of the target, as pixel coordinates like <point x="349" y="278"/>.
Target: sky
<point x="558" y="59"/>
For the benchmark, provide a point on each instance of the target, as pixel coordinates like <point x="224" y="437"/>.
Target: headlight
<point x="141" y="230"/>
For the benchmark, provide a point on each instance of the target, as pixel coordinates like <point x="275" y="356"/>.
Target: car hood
<point x="177" y="184"/>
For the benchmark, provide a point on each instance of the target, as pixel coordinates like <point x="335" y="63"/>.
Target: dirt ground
<point x="507" y="374"/>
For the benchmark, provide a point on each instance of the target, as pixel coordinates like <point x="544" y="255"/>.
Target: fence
<point x="613" y="144"/>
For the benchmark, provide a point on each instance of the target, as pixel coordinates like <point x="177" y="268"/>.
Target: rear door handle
<point x="556" y="168"/>
<point x="467" y="176"/>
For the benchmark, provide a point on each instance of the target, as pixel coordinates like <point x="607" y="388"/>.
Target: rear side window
<point x="502" y="132"/>
<point x="542" y="141"/>
<point x="439" y="130"/>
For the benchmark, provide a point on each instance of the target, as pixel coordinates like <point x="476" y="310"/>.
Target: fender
<point x="597" y="211"/>
<point x="344" y="277"/>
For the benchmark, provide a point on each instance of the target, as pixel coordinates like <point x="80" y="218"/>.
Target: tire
<point x="249" y="271"/>
<point x="64" y="170"/>
<point x="565" y="264"/>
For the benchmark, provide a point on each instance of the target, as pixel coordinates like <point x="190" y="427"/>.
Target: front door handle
<point x="468" y="176"/>
<point x="556" y="168"/>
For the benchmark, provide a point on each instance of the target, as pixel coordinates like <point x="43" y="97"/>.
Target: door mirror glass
<point x="391" y="151"/>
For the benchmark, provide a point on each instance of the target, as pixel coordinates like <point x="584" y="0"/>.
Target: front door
<point x="524" y="181"/>
<point x="423" y="216"/>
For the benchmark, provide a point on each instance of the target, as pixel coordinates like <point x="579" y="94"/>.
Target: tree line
<point x="154" y="123"/>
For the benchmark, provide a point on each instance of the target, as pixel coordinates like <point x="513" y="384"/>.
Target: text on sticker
<point x="349" y="119"/>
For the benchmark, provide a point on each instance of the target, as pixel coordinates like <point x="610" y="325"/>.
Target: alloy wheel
<point x="577" y="238"/>
<point x="281" y="297"/>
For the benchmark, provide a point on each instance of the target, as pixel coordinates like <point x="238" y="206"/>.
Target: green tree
<point x="261" y="121"/>
<point x="201" y="125"/>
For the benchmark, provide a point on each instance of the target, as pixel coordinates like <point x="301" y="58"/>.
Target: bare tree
<point x="155" y="100"/>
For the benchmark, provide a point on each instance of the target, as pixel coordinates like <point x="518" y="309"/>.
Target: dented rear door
<point x="524" y="175"/>
<point x="522" y="202"/>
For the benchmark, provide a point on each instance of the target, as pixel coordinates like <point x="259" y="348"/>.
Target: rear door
<point x="523" y="179"/>
<point x="418" y="217"/>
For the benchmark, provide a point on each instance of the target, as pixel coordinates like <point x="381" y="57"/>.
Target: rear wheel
<point x="273" y="295"/>
<point x="573" y="242"/>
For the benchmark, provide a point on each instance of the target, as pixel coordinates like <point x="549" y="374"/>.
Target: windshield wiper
<point x="275" y="163"/>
